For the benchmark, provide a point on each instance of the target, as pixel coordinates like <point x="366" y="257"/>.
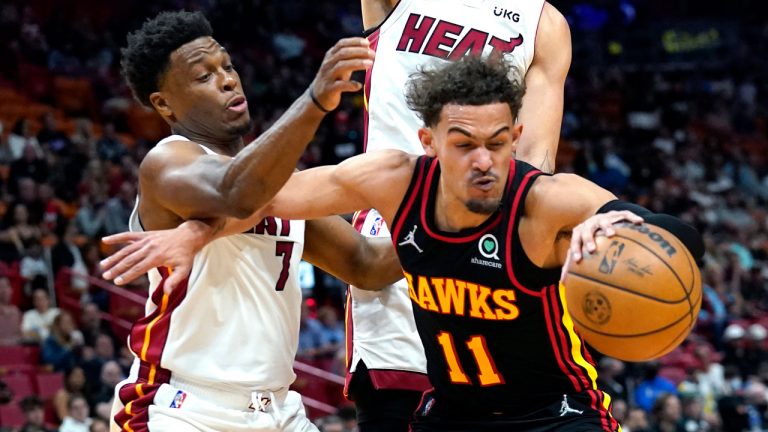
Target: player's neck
<point x="224" y="147"/>
<point x="451" y="215"/>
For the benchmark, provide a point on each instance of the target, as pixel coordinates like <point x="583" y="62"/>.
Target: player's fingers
<point x="109" y="262"/>
<point x="179" y="274"/>
<point x="344" y="68"/>
<point x="347" y="86"/>
<point x="352" y="53"/>
<point x="588" y="234"/>
<point x="124" y="237"/>
<point x="132" y="273"/>
<point x="349" y="42"/>
<point x="564" y="270"/>
<point x="574" y="250"/>
<point x="123" y="266"/>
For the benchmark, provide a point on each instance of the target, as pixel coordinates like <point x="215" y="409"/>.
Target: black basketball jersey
<point x="493" y="325"/>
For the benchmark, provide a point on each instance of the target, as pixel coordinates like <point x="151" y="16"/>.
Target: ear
<point x="427" y="141"/>
<point x="517" y="130"/>
<point x="161" y="104"/>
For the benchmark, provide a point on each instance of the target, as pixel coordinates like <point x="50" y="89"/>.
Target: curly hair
<point x="469" y="81"/>
<point x="146" y="58"/>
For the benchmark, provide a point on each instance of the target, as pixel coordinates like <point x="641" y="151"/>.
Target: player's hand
<point x="583" y="234"/>
<point x="334" y="77"/>
<point x="174" y="248"/>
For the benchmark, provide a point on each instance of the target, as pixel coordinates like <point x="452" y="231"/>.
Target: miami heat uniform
<point x="217" y="353"/>
<point x="501" y="349"/>
<point x="380" y="328"/>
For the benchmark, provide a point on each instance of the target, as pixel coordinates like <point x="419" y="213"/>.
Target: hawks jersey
<point x="234" y="322"/>
<point x="420" y="33"/>
<point x="494" y="326"/>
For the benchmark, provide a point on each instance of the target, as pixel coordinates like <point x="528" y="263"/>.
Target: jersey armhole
<point x="369" y="31"/>
<point x="410" y="196"/>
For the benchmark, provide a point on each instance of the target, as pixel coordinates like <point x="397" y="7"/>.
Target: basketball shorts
<point x="574" y="413"/>
<point x="381" y="410"/>
<point x="162" y="407"/>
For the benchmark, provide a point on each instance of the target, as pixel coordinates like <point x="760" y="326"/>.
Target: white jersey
<point x="234" y="324"/>
<point x="381" y="329"/>
<point x="424" y="32"/>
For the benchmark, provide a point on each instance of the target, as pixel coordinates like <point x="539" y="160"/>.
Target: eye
<point x="229" y="68"/>
<point x="204" y="77"/>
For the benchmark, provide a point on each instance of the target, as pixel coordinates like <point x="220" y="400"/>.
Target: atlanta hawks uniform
<point x="217" y="352"/>
<point x="417" y="33"/>
<point x="501" y="350"/>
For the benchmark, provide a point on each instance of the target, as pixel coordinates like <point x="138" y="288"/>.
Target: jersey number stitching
<point x="488" y="375"/>
<point x="285" y="249"/>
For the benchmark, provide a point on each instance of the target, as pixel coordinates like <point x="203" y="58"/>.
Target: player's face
<point x="474" y="145"/>
<point x="203" y="92"/>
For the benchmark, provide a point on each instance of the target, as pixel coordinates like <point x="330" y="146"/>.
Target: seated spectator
<point x="118" y="209"/>
<point x="101" y="400"/>
<point x="609" y="378"/>
<point x="78" y="419"/>
<point x="74" y="385"/>
<point x="66" y="254"/>
<point x="90" y="216"/>
<point x="94" y="358"/>
<point x="10" y="315"/>
<point x="330" y="423"/>
<point x="34" y="266"/>
<point x="61" y="348"/>
<point x="32" y="407"/>
<point x="332" y="331"/>
<point x="652" y="386"/>
<point x="99" y="425"/>
<point x="636" y="421"/>
<point x="310" y="335"/>
<point x="109" y="146"/>
<point x="19" y="233"/>
<point x="36" y="322"/>
<point x="667" y="414"/>
<point x="21" y="136"/>
<point x="92" y="326"/>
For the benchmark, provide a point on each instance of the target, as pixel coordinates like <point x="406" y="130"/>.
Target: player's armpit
<point x="542" y="110"/>
<point x="335" y="246"/>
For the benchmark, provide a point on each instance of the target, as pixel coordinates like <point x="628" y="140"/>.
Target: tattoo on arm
<point x="546" y="166"/>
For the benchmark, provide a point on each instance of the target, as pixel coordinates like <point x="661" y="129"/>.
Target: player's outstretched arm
<point x="183" y="179"/>
<point x="542" y="110"/>
<point x="365" y="262"/>
<point x="375" y="11"/>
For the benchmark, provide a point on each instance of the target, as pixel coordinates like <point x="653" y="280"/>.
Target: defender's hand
<point x="175" y="248"/>
<point x="334" y="76"/>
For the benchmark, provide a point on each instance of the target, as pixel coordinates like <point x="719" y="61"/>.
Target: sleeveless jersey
<point x="234" y="322"/>
<point x="380" y="328"/>
<point x="421" y="33"/>
<point x="496" y="333"/>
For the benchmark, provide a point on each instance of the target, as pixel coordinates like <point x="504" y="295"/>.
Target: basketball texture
<point x="637" y="297"/>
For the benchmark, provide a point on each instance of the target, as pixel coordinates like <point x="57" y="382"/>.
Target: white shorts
<point x="163" y="407"/>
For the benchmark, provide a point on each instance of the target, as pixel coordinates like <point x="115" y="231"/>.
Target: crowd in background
<point x="678" y="130"/>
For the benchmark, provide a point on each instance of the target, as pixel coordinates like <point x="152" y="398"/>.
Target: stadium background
<point x="665" y="105"/>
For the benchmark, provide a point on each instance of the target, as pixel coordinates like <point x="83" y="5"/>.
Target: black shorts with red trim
<point x="573" y="413"/>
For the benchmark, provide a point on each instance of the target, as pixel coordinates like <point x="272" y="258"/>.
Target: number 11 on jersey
<point x="487" y="373"/>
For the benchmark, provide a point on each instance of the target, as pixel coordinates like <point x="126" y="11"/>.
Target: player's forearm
<point x="379" y="265"/>
<point x="262" y="168"/>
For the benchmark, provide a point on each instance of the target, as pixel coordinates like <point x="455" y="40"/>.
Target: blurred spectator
<point x="310" y="335"/>
<point x="619" y="409"/>
<point x="51" y="137"/>
<point x="610" y="371"/>
<point x="19" y="233"/>
<point x="10" y="315"/>
<point x="36" y="322"/>
<point x="99" y="425"/>
<point x="34" y="414"/>
<point x="78" y="419"/>
<point x="118" y="209"/>
<point x="111" y="375"/>
<point x="60" y="350"/>
<point x="757" y="406"/>
<point x="21" y="136"/>
<point x="94" y="358"/>
<point x="709" y="376"/>
<point x="109" y="146"/>
<point x="67" y="254"/>
<point x="90" y="217"/>
<point x="332" y="331"/>
<point x="31" y="165"/>
<point x="34" y="267"/>
<point x="92" y="326"/>
<point x="74" y="385"/>
<point x="330" y="423"/>
<point x="636" y="421"/>
<point x="652" y="386"/>
<point x="667" y="414"/>
<point x="694" y="419"/>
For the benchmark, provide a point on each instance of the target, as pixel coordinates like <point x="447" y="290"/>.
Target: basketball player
<point x="483" y="242"/>
<point x="385" y="357"/>
<point x="216" y="353"/>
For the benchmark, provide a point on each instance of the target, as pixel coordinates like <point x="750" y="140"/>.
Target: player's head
<point x="469" y="109"/>
<point x="173" y="64"/>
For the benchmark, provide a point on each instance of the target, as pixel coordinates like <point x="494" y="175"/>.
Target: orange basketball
<point x="637" y="297"/>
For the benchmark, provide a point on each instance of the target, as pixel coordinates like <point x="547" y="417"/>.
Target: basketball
<point x="637" y="297"/>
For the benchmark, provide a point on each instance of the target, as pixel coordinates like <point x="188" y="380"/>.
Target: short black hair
<point x="468" y="81"/>
<point x="146" y="57"/>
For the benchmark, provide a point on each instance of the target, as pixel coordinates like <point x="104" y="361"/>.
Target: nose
<point x="482" y="160"/>
<point x="230" y="82"/>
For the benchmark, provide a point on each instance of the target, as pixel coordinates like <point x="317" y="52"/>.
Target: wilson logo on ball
<point x="655" y="236"/>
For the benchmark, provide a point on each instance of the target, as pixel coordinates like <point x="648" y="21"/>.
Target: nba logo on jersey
<point x="376" y="226"/>
<point x="178" y="400"/>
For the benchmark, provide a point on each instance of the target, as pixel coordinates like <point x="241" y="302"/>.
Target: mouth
<point x="237" y="104"/>
<point x="485" y="183"/>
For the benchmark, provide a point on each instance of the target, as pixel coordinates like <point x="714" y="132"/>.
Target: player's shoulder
<point x="168" y="152"/>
